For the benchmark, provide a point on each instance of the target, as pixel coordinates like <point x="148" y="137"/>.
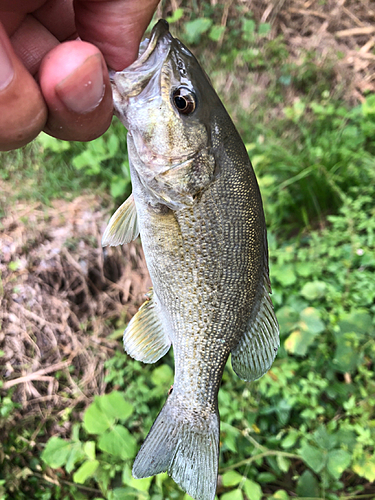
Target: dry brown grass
<point x="333" y="27"/>
<point x="343" y="30"/>
<point x="61" y="296"/>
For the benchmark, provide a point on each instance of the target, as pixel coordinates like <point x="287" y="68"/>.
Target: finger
<point x="21" y="5"/>
<point x="75" y="84"/>
<point x="11" y="21"/>
<point x="23" y="112"/>
<point x="115" y="27"/>
<point x="58" y="18"/>
<point x="31" y="42"/>
<point x="55" y="15"/>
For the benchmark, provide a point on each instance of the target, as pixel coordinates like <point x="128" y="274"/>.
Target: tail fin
<point x="186" y="445"/>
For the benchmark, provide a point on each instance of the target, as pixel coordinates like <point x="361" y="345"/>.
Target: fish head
<point x="164" y="99"/>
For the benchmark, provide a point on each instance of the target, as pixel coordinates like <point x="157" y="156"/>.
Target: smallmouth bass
<point x="197" y="207"/>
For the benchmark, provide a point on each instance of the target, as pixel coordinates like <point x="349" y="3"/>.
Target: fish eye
<point x="184" y="100"/>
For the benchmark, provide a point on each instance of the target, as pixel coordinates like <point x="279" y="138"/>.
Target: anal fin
<point x="255" y="352"/>
<point x="145" y="338"/>
<point x="123" y="225"/>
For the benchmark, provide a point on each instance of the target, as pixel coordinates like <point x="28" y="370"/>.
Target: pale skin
<point x="51" y="81"/>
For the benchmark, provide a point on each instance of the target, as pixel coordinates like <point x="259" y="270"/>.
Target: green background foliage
<point x="307" y="428"/>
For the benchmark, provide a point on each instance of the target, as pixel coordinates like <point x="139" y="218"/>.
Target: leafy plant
<point x="104" y="159"/>
<point x="307" y="426"/>
<point x="330" y="150"/>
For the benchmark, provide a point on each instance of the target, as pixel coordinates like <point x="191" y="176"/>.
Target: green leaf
<point x="119" y="186"/>
<point x="283" y="463"/>
<point x="347" y="357"/>
<point x="14" y="265"/>
<point x="230" y="435"/>
<point x="56" y="452"/>
<point x="95" y="421"/>
<point x="307" y="485"/>
<point x="287" y="318"/>
<point x="338" y="462"/>
<point x="298" y="342"/>
<point x="216" y="32"/>
<point x="252" y="490"/>
<point x="368" y="106"/>
<point x="76" y="455"/>
<point x="248" y="25"/>
<point x="346" y="437"/>
<point x="303" y="336"/>
<point x="118" y="442"/>
<point x="365" y="467"/>
<point x="122" y="494"/>
<point x="86" y="470"/>
<point x="52" y="144"/>
<point x="176" y="16"/>
<point x="280" y="495"/>
<point x="162" y="375"/>
<point x="310" y="321"/>
<point x="305" y="269"/>
<point x="314" y="457"/>
<point x="104" y="411"/>
<point x="114" y="405"/>
<point x="290" y="439"/>
<point x="266" y="477"/>
<point x="194" y="29"/>
<point x="232" y="495"/>
<point x="83" y="160"/>
<point x="138" y="484"/>
<point x="314" y="290"/>
<point x="357" y="321"/>
<point x="284" y="274"/>
<point x="113" y="144"/>
<point x="231" y="478"/>
<point x="325" y="440"/>
<point x="264" y="29"/>
<point x="89" y="449"/>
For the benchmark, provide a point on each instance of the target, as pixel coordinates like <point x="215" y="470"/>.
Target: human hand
<point x="49" y="80"/>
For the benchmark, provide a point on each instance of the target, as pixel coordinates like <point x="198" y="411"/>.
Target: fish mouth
<point x="160" y="30"/>
<point x="132" y="80"/>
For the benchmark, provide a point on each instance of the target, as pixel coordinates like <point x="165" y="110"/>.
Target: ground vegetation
<point x="298" y="79"/>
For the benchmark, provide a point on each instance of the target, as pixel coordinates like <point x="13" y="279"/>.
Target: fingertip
<point x="75" y="84"/>
<point x="23" y="112"/>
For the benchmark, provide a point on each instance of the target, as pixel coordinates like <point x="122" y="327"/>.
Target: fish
<point x="197" y="207"/>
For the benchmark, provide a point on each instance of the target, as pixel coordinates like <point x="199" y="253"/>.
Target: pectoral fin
<point x="123" y="225"/>
<point x="145" y="338"/>
<point x="257" y="348"/>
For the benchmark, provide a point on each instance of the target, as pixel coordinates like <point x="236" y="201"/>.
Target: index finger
<point x="116" y="27"/>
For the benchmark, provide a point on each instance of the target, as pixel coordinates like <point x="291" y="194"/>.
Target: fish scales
<point x="197" y="207"/>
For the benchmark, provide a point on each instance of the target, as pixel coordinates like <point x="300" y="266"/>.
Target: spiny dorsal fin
<point x="123" y="225"/>
<point x="257" y="348"/>
<point x="144" y="338"/>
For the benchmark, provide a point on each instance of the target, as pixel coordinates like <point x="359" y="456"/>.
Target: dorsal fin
<point x="145" y="338"/>
<point x="123" y="225"/>
<point x="257" y="348"/>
